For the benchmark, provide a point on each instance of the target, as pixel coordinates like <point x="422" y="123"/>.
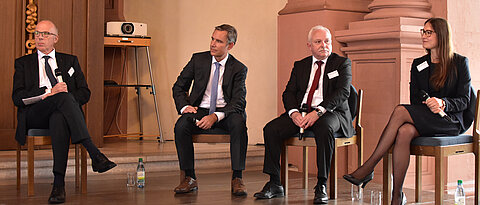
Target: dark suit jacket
<point x="198" y="71"/>
<point x="335" y="90"/>
<point x="26" y="82"/>
<point x="455" y="93"/>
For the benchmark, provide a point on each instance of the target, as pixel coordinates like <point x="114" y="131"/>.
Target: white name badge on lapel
<point x="332" y="74"/>
<point x="71" y="71"/>
<point x="422" y="66"/>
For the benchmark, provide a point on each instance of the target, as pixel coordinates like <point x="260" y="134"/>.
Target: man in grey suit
<point x="322" y="82"/>
<point x="217" y="99"/>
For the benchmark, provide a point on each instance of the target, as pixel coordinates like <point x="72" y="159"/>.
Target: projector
<point x="129" y="29"/>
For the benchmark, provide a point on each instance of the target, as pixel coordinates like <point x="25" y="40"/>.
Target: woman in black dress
<point x="445" y="76"/>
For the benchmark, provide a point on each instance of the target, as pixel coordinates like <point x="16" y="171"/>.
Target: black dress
<point x="455" y="93"/>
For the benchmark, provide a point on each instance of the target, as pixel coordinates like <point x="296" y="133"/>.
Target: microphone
<point x="425" y="97"/>
<point x="303" y="110"/>
<point x="58" y="74"/>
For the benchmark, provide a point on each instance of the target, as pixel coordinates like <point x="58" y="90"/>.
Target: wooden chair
<point x="38" y="137"/>
<point x="355" y="104"/>
<point x="440" y="148"/>
<point x="211" y="136"/>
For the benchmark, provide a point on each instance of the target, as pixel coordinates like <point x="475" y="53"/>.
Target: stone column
<point x="382" y="48"/>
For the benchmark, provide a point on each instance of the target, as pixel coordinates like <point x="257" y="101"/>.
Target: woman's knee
<point x="406" y="133"/>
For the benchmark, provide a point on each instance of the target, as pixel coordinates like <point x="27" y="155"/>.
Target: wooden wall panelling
<point x="11" y="13"/>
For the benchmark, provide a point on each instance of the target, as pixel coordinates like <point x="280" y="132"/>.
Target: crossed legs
<point x="399" y="132"/>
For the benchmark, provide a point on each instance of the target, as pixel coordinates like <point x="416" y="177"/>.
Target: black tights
<point x="399" y="132"/>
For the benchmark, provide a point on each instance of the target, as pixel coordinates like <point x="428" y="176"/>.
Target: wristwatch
<point x="319" y="112"/>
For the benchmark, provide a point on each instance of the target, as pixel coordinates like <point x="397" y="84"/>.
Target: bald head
<point x="46" y="35"/>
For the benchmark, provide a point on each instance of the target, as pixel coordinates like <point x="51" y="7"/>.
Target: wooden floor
<point x="214" y="187"/>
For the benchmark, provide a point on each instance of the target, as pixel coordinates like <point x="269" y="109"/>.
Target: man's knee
<point x="183" y="123"/>
<point x="237" y="122"/>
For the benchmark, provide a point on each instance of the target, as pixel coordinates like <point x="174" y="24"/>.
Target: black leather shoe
<point x="320" y="194"/>
<point x="57" y="196"/>
<point x="101" y="164"/>
<point x="359" y="182"/>
<point x="270" y="190"/>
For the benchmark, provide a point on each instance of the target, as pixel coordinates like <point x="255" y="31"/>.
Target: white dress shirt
<point x="43" y="78"/>
<point x="206" y="96"/>
<point x="318" y="94"/>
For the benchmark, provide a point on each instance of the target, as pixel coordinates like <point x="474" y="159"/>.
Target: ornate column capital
<point x="399" y="8"/>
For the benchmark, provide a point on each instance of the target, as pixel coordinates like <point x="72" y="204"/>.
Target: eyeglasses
<point x="427" y="33"/>
<point x="43" y="33"/>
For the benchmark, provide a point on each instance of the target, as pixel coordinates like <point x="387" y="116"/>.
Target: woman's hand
<point x="435" y="104"/>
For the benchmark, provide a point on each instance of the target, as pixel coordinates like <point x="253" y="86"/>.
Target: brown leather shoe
<point x="238" y="187"/>
<point x="187" y="185"/>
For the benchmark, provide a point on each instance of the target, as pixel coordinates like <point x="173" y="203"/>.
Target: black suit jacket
<point x="198" y="71"/>
<point x="455" y="93"/>
<point x="26" y="84"/>
<point x="335" y="90"/>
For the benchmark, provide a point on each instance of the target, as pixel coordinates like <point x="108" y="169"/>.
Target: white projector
<point x="130" y="29"/>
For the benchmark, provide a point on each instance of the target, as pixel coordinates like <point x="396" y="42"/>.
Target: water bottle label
<point x="141" y="176"/>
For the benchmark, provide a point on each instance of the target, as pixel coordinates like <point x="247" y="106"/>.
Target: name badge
<point x="71" y="71"/>
<point x="332" y="74"/>
<point x="422" y="66"/>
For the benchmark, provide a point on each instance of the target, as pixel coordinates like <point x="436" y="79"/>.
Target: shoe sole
<point x="184" y="192"/>
<point x="264" y="197"/>
<point x="243" y="193"/>
<point x="106" y="169"/>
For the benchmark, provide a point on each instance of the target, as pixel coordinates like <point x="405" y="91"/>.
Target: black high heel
<point x="359" y="182"/>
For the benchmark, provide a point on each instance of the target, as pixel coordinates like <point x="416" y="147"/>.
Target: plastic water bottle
<point x="459" y="194"/>
<point x="140" y="173"/>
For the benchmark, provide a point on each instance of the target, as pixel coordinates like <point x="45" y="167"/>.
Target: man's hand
<point x="297" y="118"/>
<point x="207" y="121"/>
<point x="190" y="109"/>
<point x="309" y="119"/>
<point x="58" y="88"/>
<point x="434" y="104"/>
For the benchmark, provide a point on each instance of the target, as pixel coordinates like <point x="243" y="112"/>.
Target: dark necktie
<point x="48" y="71"/>
<point x="214" y="93"/>
<point x="314" y="87"/>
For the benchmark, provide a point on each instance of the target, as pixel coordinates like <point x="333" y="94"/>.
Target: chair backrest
<point x="352" y="102"/>
<point x="469" y="113"/>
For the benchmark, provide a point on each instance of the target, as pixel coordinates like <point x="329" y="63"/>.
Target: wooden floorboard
<point x="214" y="184"/>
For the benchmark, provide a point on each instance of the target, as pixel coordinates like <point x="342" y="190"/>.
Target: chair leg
<point x="387" y="181"/>
<point x="333" y="173"/>
<point x="19" y="168"/>
<point x="477" y="178"/>
<point x="83" y="169"/>
<point x="31" y="174"/>
<point x="77" y="167"/>
<point x="418" y="178"/>
<point x="284" y="169"/>
<point x="439" y="179"/>
<point x="305" y="167"/>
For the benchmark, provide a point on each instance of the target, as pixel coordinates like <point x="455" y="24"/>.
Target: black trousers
<point x="62" y="115"/>
<point x="281" y="128"/>
<point x="234" y="123"/>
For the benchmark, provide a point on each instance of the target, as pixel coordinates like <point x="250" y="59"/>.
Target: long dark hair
<point x="445" y="52"/>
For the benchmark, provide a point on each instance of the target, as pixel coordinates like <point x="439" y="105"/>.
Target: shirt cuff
<point x="183" y="109"/>
<point x="322" y="109"/>
<point x="220" y="115"/>
<point x="292" y="111"/>
<point x="48" y="90"/>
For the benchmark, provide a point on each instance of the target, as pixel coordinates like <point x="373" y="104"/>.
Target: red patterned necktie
<point x="314" y="87"/>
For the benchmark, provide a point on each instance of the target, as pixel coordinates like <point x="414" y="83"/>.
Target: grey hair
<point x="231" y="32"/>
<point x="315" y="28"/>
